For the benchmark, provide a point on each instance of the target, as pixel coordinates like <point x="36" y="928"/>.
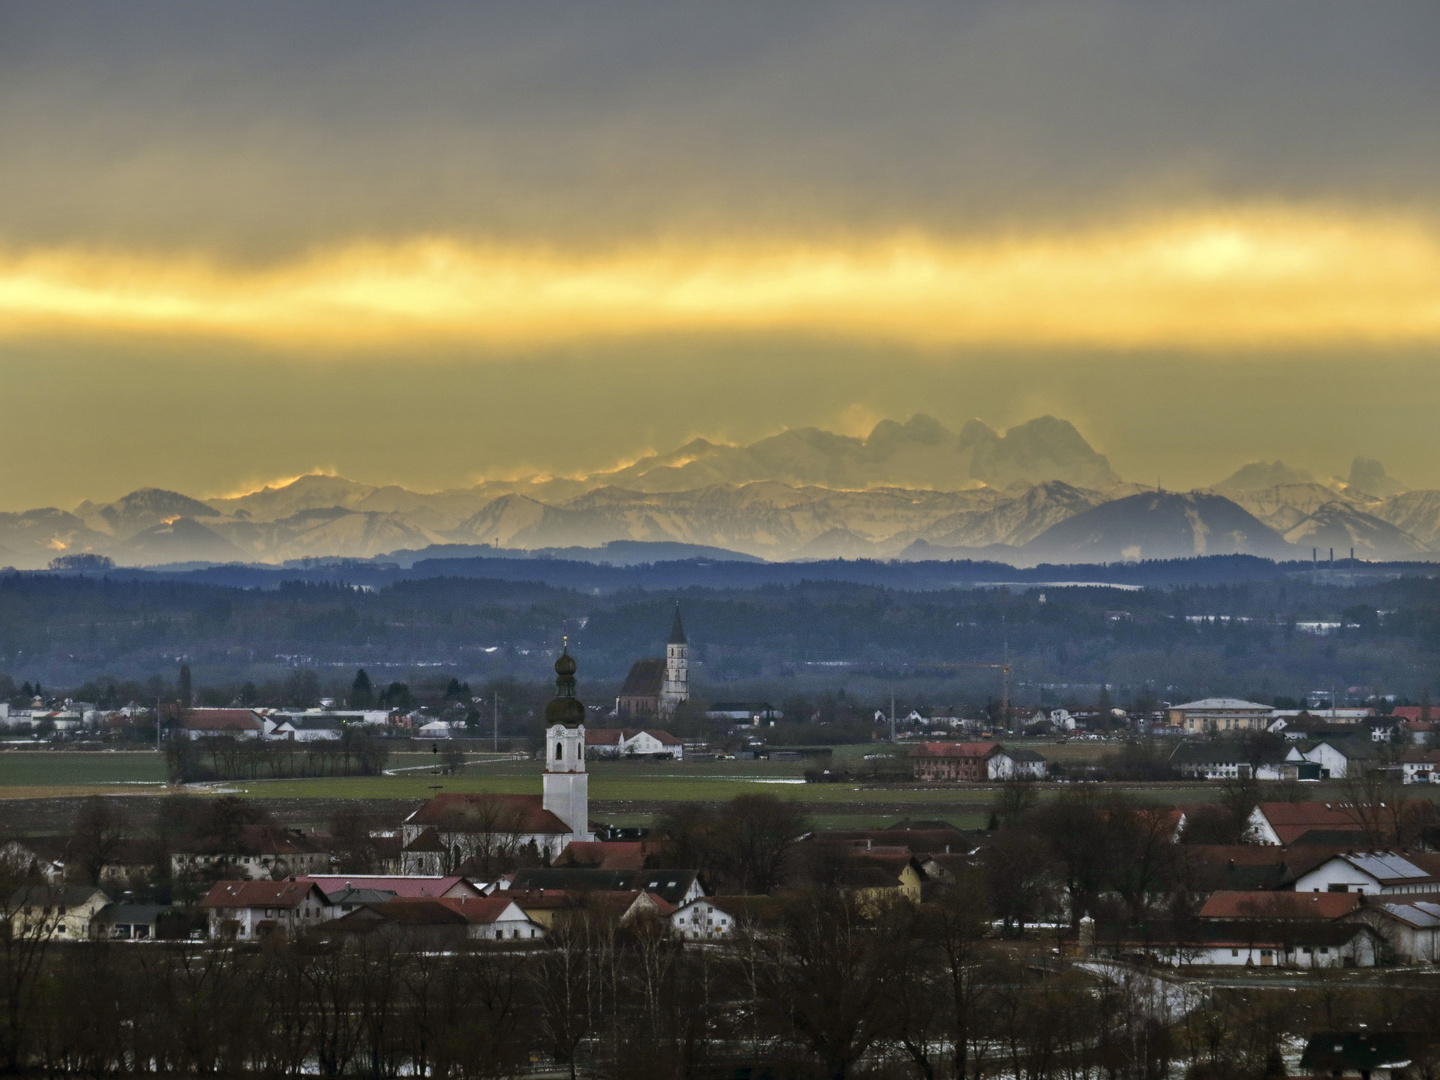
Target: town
<point x="740" y="541"/>
<point x="1085" y="922"/>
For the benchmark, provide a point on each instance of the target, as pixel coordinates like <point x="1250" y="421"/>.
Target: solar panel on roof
<point x="1416" y="914"/>
<point x="1385" y="866"/>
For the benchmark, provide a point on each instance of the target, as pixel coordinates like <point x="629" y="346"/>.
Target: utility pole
<point x="892" y="716"/>
<point x="496" y="717"/>
<point x="157" y="724"/>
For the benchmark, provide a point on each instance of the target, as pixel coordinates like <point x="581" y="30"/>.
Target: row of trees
<point x="355" y="753"/>
<point x="820" y="990"/>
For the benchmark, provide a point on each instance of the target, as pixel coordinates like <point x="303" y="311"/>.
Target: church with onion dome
<point x="451" y="830"/>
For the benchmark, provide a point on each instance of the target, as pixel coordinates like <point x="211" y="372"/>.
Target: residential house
<point x="1418" y="732"/>
<point x="902" y="873"/>
<point x="675" y="887"/>
<point x="345" y="892"/>
<point x="1420" y="714"/>
<point x="1210" y="868"/>
<point x="632" y="743"/>
<point x="39" y="859"/>
<point x="606" y="854"/>
<point x="479" y="918"/>
<point x="1211" y="715"/>
<point x="55" y="911"/>
<point x="128" y="922"/>
<point x="1011" y="764"/>
<point x="712" y="917"/>
<point x="1373" y="873"/>
<point x="250" y="910"/>
<point x="1420" y="766"/>
<point x="448" y="830"/>
<point x="1285" y="823"/>
<point x="257" y="851"/>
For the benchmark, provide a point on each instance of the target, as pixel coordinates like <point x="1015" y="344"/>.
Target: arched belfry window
<point x="559" y="750"/>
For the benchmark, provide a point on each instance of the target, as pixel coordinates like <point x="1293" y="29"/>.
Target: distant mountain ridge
<point x="909" y="490"/>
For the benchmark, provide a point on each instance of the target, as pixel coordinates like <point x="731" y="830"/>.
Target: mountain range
<point x="914" y="490"/>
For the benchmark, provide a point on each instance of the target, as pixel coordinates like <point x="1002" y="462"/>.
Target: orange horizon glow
<point x="1248" y="277"/>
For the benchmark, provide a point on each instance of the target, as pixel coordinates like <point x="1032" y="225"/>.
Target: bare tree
<point x="100" y="829"/>
<point x="756" y="838"/>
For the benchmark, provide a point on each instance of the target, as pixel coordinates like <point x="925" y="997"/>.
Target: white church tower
<point x="676" y="687"/>
<point x="567" y="784"/>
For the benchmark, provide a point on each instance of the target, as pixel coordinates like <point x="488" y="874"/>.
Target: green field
<point x="69" y="768"/>
<point x="624" y="792"/>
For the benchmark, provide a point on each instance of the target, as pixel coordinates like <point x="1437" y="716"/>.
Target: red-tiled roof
<point x="252" y="894"/>
<point x="488" y="813"/>
<point x="1292" y="820"/>
<point x="1279" y="905"/>
<point x="404" y="887"/>
<point x="952" y="749"/>
<point x="254" y="840"/>
<point x="222" y="720"/>
<point x="413" y="912"/>
<point x="473" y="909"/>
<point x="1413" y="712"/>
<point x="427" y="840"/>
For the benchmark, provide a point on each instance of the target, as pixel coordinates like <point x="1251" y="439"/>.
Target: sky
<point x="435" y="243"/>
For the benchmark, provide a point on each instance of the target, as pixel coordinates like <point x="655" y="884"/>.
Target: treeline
<point x="1246" y="639"/>
<point x="822" y="989"/>
<point x="355" y="753"/>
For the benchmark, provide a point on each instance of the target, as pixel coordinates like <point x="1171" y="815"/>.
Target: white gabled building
<point x="707" y="918"/>
<point x="1373" y="872"/>
<point x="632" y="742"/>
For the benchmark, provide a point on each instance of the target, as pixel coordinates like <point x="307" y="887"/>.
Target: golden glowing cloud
<point x="1248" y="277"/>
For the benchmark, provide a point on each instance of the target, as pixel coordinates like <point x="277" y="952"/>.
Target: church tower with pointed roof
<point x="675" y="690"/>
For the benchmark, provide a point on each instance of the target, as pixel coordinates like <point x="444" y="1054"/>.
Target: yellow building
<point x="1220" y="715"/>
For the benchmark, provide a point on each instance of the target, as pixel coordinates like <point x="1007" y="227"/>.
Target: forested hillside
<point x="1285" y="635"/>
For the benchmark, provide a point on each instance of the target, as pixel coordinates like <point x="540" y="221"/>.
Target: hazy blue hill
<point x="35" y="537"/>
<point x="1336" y="525"/>
<point x="182" y="540"/>
<point x="143" y="509"/>
<point x="1159" y="525"/>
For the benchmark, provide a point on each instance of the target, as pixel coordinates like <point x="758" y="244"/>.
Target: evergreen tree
<point x="184" y="691"/>
<point x="396" y="696"/>
<point x="362" y="694"/>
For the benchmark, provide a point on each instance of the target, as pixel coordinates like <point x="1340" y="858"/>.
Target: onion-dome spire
<point x="565" y="708"/>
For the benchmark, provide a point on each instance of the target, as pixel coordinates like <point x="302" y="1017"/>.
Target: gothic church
<point x="655" y="688"/>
